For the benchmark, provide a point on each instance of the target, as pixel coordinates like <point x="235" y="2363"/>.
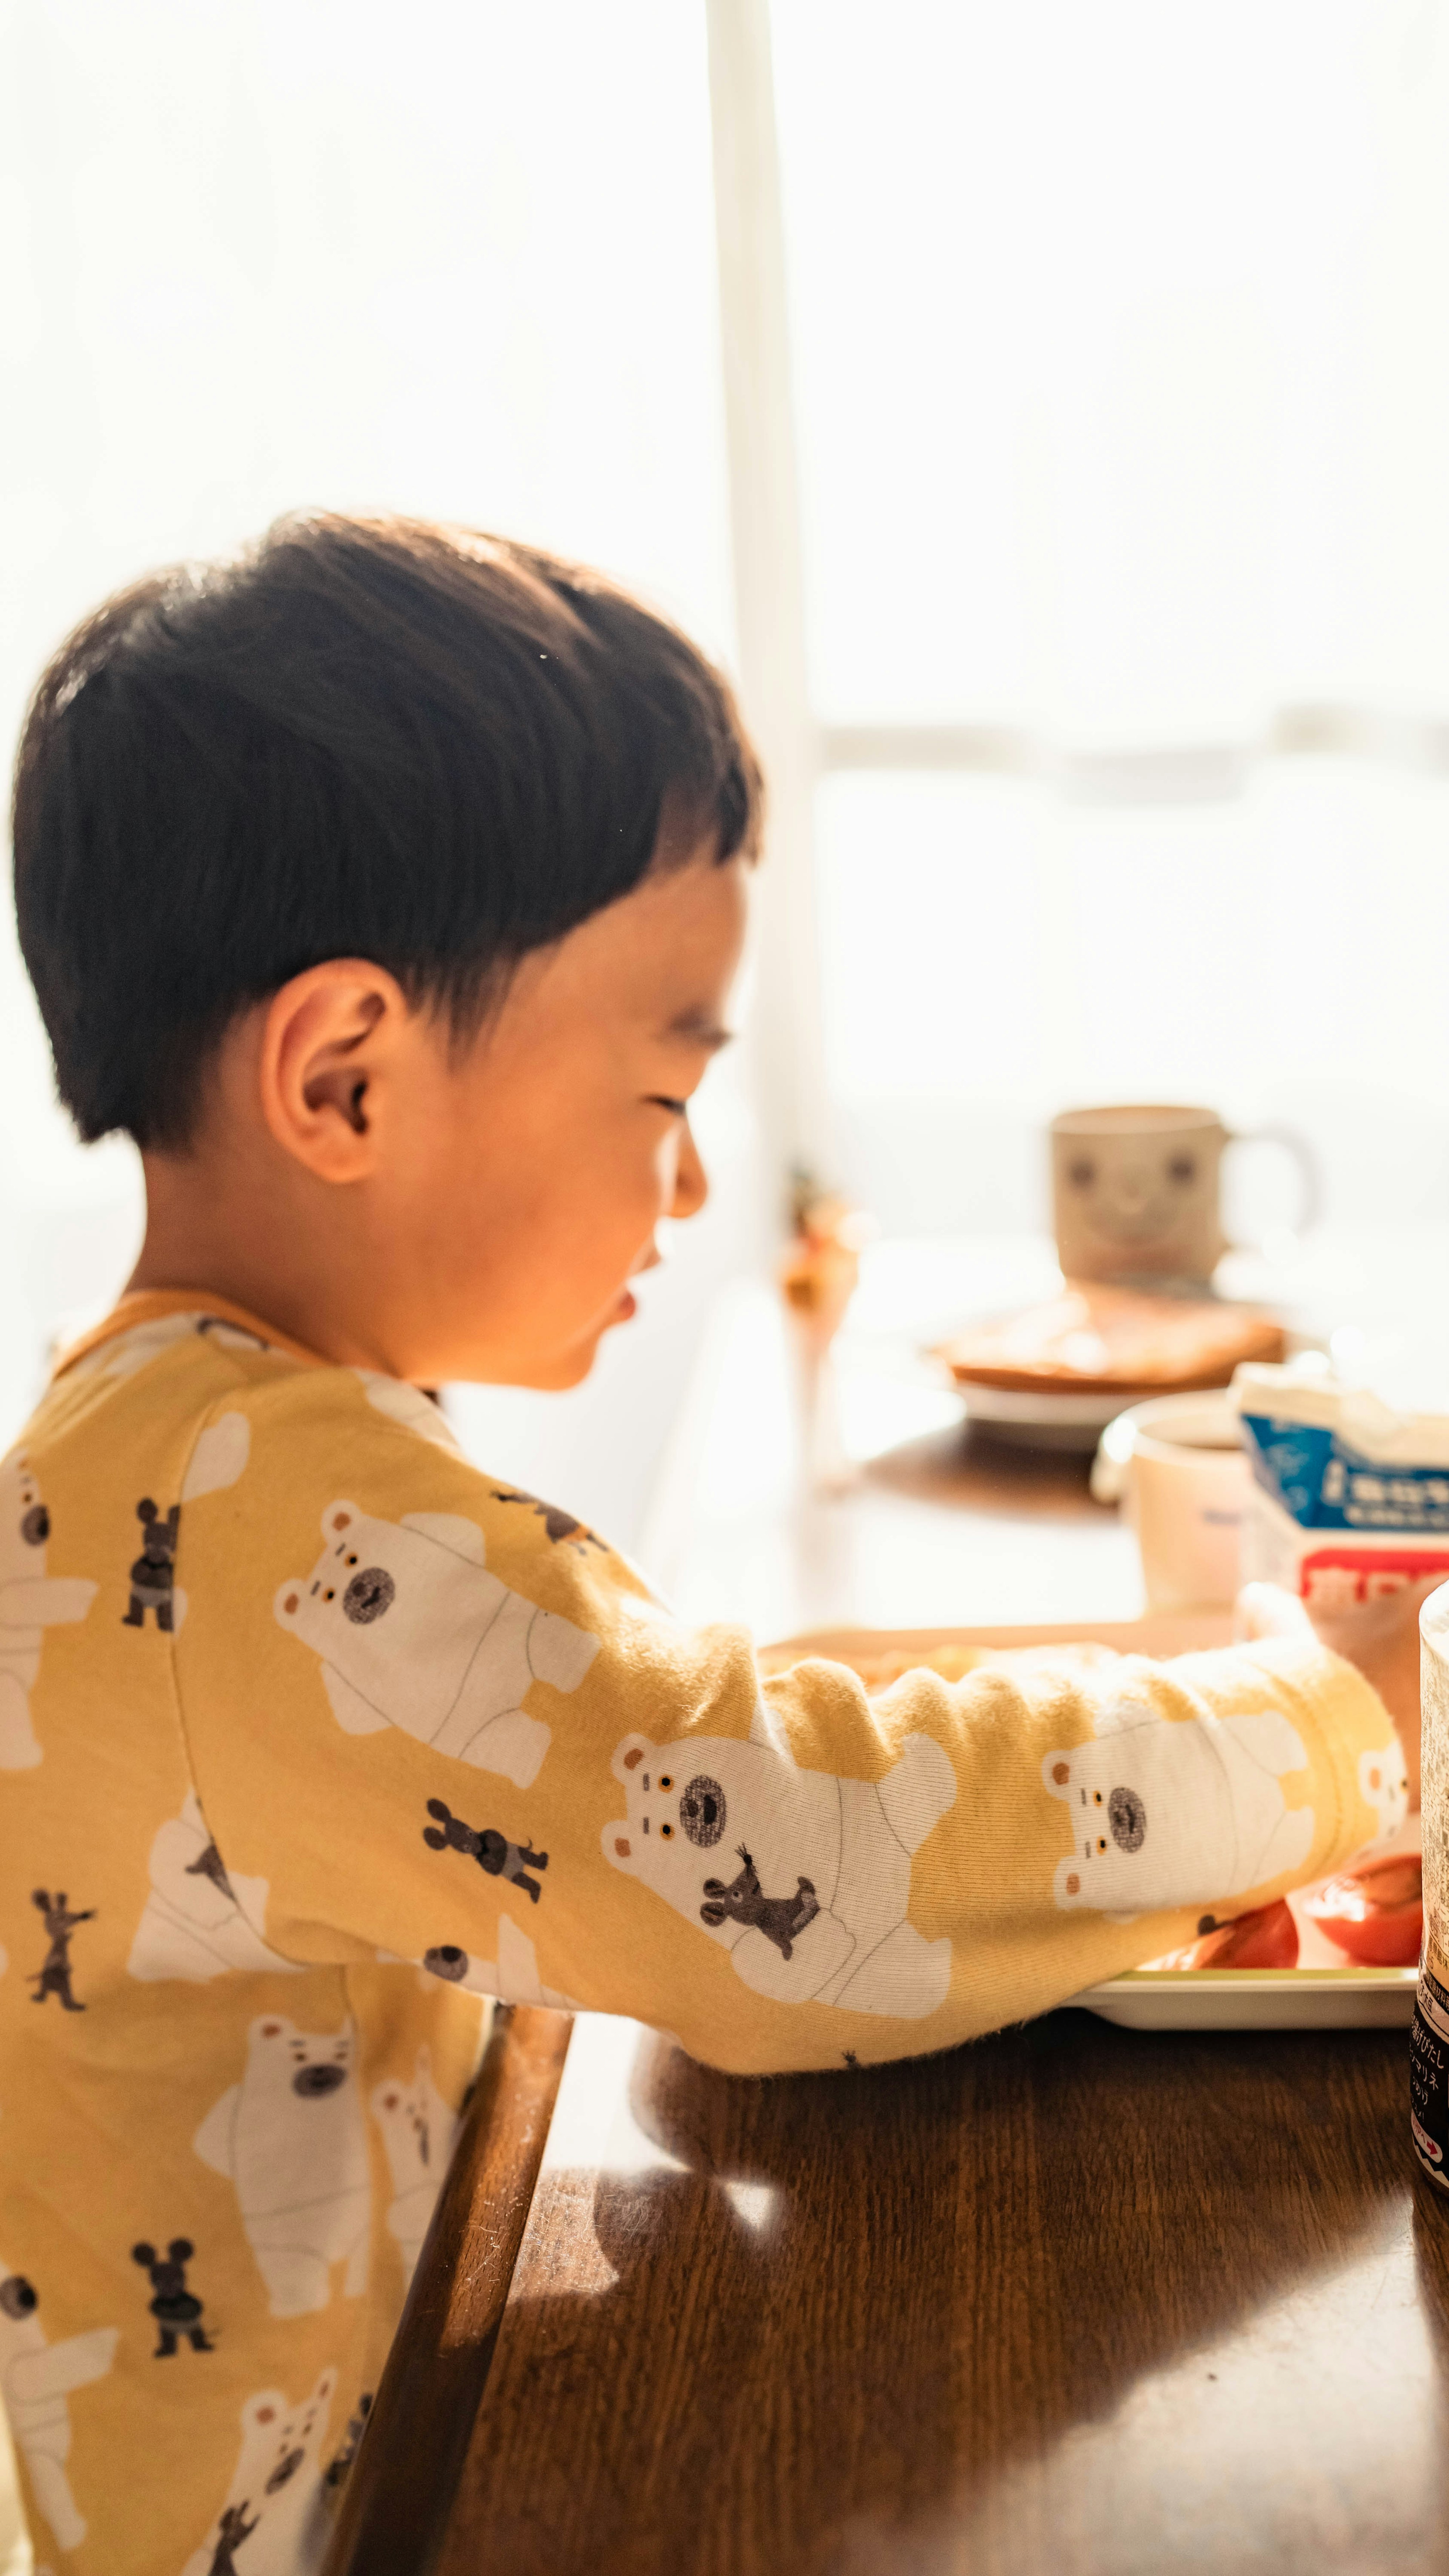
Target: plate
<point x="1316" y="1995"/>
<point x="1321" y="1993"/>
<point x="1053" y="1417"/>
<point x="1256" y="1999"/>
<point x="1035" y="1419"/>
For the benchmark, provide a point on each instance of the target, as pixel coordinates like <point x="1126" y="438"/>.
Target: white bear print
<point x="1383" y="1780"/>
<point x="291" y="2136"/>
<point x="199" y="1918"/>
<point x="124" y="1353"/>
<point x="272" y="2520"/>
<point x="30" y="1602"/>
<point x="219" y="1457"/>
<point x="1170" y="1811"/>
<point x="513" y="1976"/>
<point x="418" y="2128"/>
<point x="414" y="1633"/>
<point x="805" y="1879"/>
<point x="37" y="2379"/>
<point x="409" y="1406"/>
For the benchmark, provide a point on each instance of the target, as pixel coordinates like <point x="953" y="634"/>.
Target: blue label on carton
<point x="1323" y="1483"/>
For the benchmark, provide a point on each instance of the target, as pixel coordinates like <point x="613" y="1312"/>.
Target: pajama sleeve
<point x="436" y="1720"/>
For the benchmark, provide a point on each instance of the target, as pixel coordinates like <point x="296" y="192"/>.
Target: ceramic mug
<point x="1135" y="1191"/>
<point x="1178" y="1467"/>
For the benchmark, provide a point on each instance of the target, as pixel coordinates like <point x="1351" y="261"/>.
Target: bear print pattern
<point x="1167" y="1812"/>
<point x="418" y="2128"/>
<point x="412" y="1631"/>
<point x="782" y="1919"/>
<point x="409" y="1406"/>
<point x="492" y="1851"/>
<point x="273" y="2511"/>
<point x="199" y="1919"/>
<point x="291" y="2138"/>
<point x="513" y="1976"/>
<point x="219" y="1457"/>
<point x="124" y="1354"/>
<point x="233" y="2530"/>
<point x="53" y="1978"/>
<point x="37" y="2381"/>
<point x="818" y="1912"/>
<point x="153" y="1575"/>
<point x="1383" y="1780"/>
<point x="341" y="2461"/>
<point x="176" y="2309"/>
<point x="560" y="1527"/>
<point x="30" y="1602"/>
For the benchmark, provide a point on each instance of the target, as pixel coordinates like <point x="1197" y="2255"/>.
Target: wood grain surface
<point x="1073" y="2299"/>
<point x="396" y="2501"/>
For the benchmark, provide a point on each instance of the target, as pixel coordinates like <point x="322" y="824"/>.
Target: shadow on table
<point x="873" y="2302"/>
<point x="969" y="1468"/>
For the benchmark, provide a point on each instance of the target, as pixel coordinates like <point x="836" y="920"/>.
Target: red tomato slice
<point x="1375" y="1913"/>
<point x="1267" y="1938"/>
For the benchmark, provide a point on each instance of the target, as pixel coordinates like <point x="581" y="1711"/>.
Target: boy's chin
<point x="553" y="1372"/>
<point x="570" y="1367"/>
<point x="556" y="1376"/>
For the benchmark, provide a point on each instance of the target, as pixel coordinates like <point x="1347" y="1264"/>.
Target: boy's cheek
<point x="542" y="1254"/>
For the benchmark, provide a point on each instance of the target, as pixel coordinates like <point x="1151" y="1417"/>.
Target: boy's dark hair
<point x="365" y="737"/>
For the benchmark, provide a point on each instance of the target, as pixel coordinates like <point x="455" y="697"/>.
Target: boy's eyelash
<point x="676" y="1108"/>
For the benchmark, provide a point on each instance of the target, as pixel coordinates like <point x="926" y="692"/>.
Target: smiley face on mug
<point x="1138" y="1196"/>
<point x="1136" y="1192"/>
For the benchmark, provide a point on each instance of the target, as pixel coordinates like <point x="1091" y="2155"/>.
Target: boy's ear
<point x="326" y="1040"/>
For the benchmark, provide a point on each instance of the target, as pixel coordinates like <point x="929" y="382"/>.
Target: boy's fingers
<point x="1265" y="1610"/>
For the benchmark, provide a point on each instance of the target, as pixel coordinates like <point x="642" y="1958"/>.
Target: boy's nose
<point x="691" y="1187"/>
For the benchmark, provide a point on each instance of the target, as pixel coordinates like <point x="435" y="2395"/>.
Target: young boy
<point x="388" y="887"/>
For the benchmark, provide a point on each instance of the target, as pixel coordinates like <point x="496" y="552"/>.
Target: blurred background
<point x="1041" y="410"/>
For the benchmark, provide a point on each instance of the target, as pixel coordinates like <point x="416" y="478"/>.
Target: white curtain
<point x="450" y="259"/>
<point x="1120" y="340"/>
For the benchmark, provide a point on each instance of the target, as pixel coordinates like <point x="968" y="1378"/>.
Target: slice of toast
<point x="1095" y="1339"/>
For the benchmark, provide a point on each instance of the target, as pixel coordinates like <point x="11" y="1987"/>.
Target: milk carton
<point x="1350" y="1499"/>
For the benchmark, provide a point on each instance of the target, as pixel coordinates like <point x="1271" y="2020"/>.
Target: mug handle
<point x="1108" y="1482"/>
<point x="1310" y="1173"/>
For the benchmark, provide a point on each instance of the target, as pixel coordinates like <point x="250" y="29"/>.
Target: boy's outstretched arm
<point x="444" y="1722"/>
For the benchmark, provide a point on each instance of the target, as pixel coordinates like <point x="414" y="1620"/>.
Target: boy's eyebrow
<point x="699" y="1028"/>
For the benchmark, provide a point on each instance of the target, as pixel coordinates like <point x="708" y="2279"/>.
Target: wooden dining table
<point x="1074" y="2300"/>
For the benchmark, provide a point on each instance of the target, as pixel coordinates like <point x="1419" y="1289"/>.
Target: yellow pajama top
<point x="312" y="1735"/>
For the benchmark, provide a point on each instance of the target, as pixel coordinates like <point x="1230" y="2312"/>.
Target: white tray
<point x="1256" y="1999"/>
<point x="1316" y="1995"/>
<point x="1322" y="1993"/>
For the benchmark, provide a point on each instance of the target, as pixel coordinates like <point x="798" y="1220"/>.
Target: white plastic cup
<point x="1177" y="1465"/>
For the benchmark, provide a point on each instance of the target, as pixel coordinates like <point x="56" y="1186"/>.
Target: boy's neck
<point x="211" y="1230"/>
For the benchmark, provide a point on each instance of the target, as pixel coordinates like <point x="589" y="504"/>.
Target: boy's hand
<point x="1380" y="1637"/>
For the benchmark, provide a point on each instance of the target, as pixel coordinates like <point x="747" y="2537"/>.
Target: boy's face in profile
<point x="562" y="1136"/>
<point x="439" y="1211"/>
